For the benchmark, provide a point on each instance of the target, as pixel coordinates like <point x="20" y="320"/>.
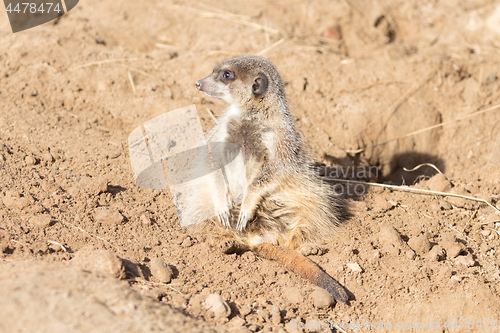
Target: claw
<point x="224" y="218"/>
<point x="242" y="221"/>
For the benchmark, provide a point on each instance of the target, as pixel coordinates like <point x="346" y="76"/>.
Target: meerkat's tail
<point x="302" y="266"/>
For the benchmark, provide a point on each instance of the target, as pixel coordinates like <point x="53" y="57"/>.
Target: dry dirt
<point x="359" y="76"/>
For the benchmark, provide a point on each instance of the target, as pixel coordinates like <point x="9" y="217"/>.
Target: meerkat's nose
<point x="198" y="85"/>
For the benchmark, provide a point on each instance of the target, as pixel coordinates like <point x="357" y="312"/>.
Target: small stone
<point x="2" y="158"/>
<point x="439" y="183"/>
<point x="382" y="206"/>
<point x="47" y="157"/>
<point x="237" y="322"/>
<point x="217" y="304"/>
<point x="293" y="295"/>
<point x="115" y="155"/>
<point x="486" y="232"/>
<point x="13" y="200"/>
<point x="445" y="205"/>
<point x="109" y="217"/>
<point x="30" y="160"/>
<point x="160" y="271"/>
<point x="355" y="267"/>
<point x="456" y="278"/>
<point x="322" y="299"/>
<point x="103" y="261"/>
<point x="466" y="261"/>
<point x="420" y="244"/>
<point x="457" y="201"/>
<point x="454" y="251"/>
<point x="41" y="221"/>
<point x="263" y="314"/>
<point x="389" y="235"/>
<point x="146" y="221"/>
<point x="245" y="310"/>
<point x="275" y="315"/>
<point x="391" y="250"/>
<point x="333" y="33"/>
<point x="493" y="217"/>
<point x="437" y="253"/>
<point x="92" y="186"/>
<point x="485" y="247"/>
<point x="491" y="78"/>
<point x="187" y="242"/>
<point x="444" y="274"/>
<point x="410" y="254"/>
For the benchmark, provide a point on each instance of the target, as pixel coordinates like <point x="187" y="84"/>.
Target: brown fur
<point x="287" y="206"/>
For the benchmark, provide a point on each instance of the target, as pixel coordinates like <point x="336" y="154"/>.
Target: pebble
<point x="322" y="299"/>
<point x="146" y="221"/>
<point x="263" y="314"/>
<point x="389" y="235"/>
<point x="109" y="217"/>
<point x="454" y="250"/>
<point x="437" y="253"/>
<point x="41" y="221"/>
<point x="13" y="200"/>
<point x="93" y="186"/>
<point x="333" y="32"/>
<point x="439" y="183"/>
<point x="30" y="160"/>
<point x="2" y="158"/>
<point x="355" y="267"/>
<point x="293" y="295"/>
<point x="491" y="78"/>
<point x="456" y="201"/>
<point x="161" y="271"/>
<point x="493" y="217"/>
<point x="187" y="242"/>
<point x="391" y="249"/>
<point x="275" y="315"/>
<point x="485" y="247"/>
<point x="47" y="157"/>
<point x="217" y="304"/>
<point x="244" y="310"/>
<point x="410" y="254"/>
<point x="486" y="232"/>
<point x="420" y="244"/>
<point x="102" y="261"/>
<point x="456" y="278"/>
<point x="237" y="322"/>
<point x="467" y="260"/>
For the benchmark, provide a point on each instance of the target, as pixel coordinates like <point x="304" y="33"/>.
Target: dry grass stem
<point x="270" y="47"/>
<point x="95" y="63"/>
<point x="421" y="165"/>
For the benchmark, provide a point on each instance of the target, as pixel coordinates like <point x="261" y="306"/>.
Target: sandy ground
<point x="79" y="241"/>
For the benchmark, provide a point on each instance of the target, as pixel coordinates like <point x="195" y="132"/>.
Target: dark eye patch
<point x="226" y="75"/>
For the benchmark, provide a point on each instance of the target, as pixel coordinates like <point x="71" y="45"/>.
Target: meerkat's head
<point x="243" y="80"/>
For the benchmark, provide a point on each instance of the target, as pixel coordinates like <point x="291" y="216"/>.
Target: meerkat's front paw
<point x="223" y="217"/>
<point x="243" y="218"/>
<point x="230" y="246"/>
<point x="311" y="249"/>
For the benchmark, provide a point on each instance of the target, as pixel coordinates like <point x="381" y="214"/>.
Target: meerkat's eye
<point x="226" y="76"/>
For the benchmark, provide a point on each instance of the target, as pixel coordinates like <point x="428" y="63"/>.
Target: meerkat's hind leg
<point x="231" y="245"/>
<point x="311" y="249"/>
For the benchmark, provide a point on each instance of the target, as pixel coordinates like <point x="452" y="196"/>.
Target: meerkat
<point x="286" y="208"/>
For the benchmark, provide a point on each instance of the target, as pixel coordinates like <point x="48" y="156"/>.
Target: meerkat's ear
<point x="260" y="84"/>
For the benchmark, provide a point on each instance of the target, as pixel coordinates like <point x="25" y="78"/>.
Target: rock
<point x="146" y="221"/>
<point x="382" y="206"/>
<point x="109" y="217"/>
<point x="47" y="157"/>
<point x="333" y="33"/>
<point x="389" y="235"/>
<point x="237" y="322"/>
<point x="439" y="183"/>
<point x="102" y="261"/>
<point x="187" y="242"/>
<point x="355" y="267"/>
<point x="491" y="218"/>
<point x="445" y="205"/>
<point x="485" y="247"/>
<point x="437" y="253"/>
<point x="466" y="261"/>
<point x="160" y="271"/>
<point x="13" y="200"/>
<point x="322" y="299"/>
<point x="456" y="278"/>
<point x="41" y="221"/>
<point x="456" y="201"/>
<point x="410" y="254"/>
<point x="293" y="295"/>
<point x="30" y="160"/>
<point x="92" y="186"/>
<point x="263" y="314"/>
<point x="245" y="310"/>
<point x="217" y="304"/>
<point x="420" y="244"/>
<point x="454" y="251"/>
<point x="391" y="250"/>
<point x="275" y="315"/>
